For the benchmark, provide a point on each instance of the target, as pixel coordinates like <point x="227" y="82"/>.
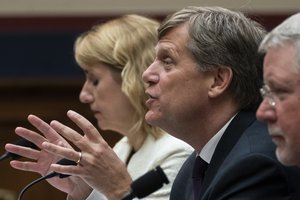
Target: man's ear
<point x="222" y="79"/>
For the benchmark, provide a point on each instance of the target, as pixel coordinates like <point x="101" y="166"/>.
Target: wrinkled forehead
<point x="281" y="63"/>
<point x="284" y="56"/>
<point x="175" y="39"/>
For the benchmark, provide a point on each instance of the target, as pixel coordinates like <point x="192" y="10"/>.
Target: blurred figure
<point x="203" y="88"/>
<point x="113" y="56"/>
<point x="281" y="89"/>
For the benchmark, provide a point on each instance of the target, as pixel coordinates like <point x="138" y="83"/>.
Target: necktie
<point x="200" y="167"/>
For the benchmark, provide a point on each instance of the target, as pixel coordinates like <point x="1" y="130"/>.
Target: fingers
<point x="67" y="169"/>
<point x="91" y="133"/>
<point x="48" y="132"/>
<point x="67" y="153"/>
<point x="30" y="135"/>
<point x="22" y="151"/>
<point x="87" y="143"/>
<point x="67" y="132"/>
<point x="45" y="128"/>
<point x="25" y="166"/>
<point x="85" y="125"/>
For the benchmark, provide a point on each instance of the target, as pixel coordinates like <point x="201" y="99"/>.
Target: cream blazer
<point x="167" y="151"/>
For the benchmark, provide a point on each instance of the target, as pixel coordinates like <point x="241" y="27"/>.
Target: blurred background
<point x="38" y="74"/>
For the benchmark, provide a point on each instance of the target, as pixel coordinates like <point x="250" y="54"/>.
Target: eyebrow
<point x="280" y="83"/>
<point x="166" y="49"/>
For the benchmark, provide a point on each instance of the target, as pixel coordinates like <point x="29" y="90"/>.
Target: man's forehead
<point x="170" y="46"/>
<point x="280" y="55"/>
<point x="164" y="45"/>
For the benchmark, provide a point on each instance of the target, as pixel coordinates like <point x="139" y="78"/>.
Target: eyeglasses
<point x="266" y="92"/>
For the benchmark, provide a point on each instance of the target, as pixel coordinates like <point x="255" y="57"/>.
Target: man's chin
<point x="150" y="121"/>
<point x="284" y="157"/>
<point x="152" y="118"/>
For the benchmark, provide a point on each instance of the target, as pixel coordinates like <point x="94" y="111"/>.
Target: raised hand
<point x="41" y="160"/>
<point x="99" y="166"/>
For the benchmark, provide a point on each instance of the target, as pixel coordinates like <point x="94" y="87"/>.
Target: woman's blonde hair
<point x="126" y="44"/>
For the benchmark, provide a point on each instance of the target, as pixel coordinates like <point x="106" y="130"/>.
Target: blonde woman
<point x="113" y="56"/>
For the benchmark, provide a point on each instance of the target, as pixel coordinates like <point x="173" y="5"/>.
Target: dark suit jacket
<point x="243" y="166"/>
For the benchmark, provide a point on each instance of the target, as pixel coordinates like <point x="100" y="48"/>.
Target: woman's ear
<point x="222" y="79"/>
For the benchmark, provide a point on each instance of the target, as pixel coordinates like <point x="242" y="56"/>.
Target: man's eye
<point x="280" y="93"/>
<point x="167" y="61"/>
<point x="95" y="82"/>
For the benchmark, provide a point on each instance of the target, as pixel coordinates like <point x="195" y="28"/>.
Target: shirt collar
<point x="209" y="148"/>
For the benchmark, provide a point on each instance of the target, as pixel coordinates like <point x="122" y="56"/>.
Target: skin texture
<point x="282" y="76"/>
<point x="182" y="99"/>
<point x="102" y="91"/>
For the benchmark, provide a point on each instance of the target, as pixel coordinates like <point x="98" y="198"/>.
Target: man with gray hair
<point x="281" y="90"/>
<point x="203" y="88"/>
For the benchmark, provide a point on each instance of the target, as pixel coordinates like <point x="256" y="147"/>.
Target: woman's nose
<point x="85" y="96"/>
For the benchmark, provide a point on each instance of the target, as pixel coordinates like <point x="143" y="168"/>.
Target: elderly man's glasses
<point x="266" y="93"/>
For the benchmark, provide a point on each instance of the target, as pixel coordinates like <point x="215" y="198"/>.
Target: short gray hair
<point x="286" y="32"/>
<point x="221" y="37"/>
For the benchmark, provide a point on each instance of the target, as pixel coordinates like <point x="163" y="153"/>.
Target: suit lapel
<point x="231" y="135"/>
